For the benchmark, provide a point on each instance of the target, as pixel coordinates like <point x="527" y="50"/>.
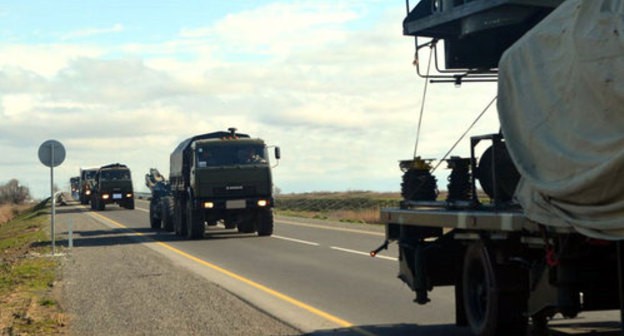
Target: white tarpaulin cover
<point x="561" y="109"/>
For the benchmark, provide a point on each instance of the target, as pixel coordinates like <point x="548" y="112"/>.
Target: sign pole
<point x="52" y="154"/>
<point x="52" y="198"/>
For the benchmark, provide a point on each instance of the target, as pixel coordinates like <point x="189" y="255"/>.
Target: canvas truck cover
<point x="561" y="109"/>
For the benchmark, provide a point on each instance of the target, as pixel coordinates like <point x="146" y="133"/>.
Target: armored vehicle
<point x="86" y="181"/>
<point x="112" y="184"/>
<point x="222" y="176"/>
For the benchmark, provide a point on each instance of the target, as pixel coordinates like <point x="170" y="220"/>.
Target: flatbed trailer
<point x="510" y="274"/>
<point x="548" y="240"/>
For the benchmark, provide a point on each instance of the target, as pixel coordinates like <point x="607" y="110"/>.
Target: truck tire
<point x="92" y="203"/>
<point x="194" y="222"/>
<point x="154" y="215"/>
<point x="130" y="204"/>
<point x="179" y="218"/>
<point x="495" y="296"/>
<point x="264" y="222"/>
<point x="101" y="205"/>
<point x="247" y="223"/>
<point x="166" y="208"/>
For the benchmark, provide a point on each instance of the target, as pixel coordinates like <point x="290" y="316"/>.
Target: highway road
<point x="314" y="275"/>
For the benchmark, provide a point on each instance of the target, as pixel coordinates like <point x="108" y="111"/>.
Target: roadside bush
<point x="14" y="193"/>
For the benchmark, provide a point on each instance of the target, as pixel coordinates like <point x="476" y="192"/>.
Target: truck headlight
<point x="263" y="203"/>
<point x="105" y="196"/>
<point x="208" y="205"/>
<point x="88" y="192"/>
<point x="128" y="195"/>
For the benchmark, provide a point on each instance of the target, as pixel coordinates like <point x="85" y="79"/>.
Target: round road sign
<point x="51" y="153"/>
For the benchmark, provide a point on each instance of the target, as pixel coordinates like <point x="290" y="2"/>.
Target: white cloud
<point x="87" y="32"/>
<point x="342" y="102"/>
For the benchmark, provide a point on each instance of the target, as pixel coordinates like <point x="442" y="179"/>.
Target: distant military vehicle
<point x="74" y="184"/>
<point x="221" y="176"/>
<point x="85" y="184"/>
<point x="161" y="202"/>
<point x="112" y="184"/>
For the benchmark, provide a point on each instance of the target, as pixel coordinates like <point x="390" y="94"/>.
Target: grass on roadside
<point x="27" y="276"/>
<point x="352" y="206"/>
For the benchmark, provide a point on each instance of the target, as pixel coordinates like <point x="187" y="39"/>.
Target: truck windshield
<point x="89" y="174"/>
<point x="114" y="175"/>
<point x="227" y="155"/>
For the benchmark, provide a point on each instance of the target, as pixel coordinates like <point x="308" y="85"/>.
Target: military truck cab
<point x="85" y="184"/>
<point x="222" y="176"/>
<point x="112" y="184"/>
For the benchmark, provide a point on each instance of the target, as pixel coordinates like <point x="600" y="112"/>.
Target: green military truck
<point x="86" y="181"/>
<point x="112" y="184"/>
<point x="222" y="176"/>
<point x="74" y="184"/>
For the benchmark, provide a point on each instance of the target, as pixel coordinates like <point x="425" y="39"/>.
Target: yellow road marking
<point x="240" y="278"/>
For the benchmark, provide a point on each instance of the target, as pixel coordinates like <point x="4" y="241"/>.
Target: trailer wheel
<point x="494" y="295"/>
<point x="194" y="222"/>
<point x="166" y="207"/>
<point x="154" y="215"/>
<point x="264" y="221"/>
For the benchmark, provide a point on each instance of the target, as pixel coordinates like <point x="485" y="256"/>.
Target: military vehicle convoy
<point x="85" y="184"/>
<point x="112" y="184"/>
<point x="547" y="237"/>
<point x="219" y="176"/>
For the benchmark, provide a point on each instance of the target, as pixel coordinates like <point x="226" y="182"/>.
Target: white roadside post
<point x="52" y="154"/>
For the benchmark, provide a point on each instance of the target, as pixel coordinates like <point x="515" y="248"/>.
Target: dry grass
<point x="349" y="206"/>
<point x="10" y="211"/>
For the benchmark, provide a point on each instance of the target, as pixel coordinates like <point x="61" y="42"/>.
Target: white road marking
<point x="296" y="240"/>
<point x="362" y="253"/>
<point x="141" y="209"/>
<point x="325" y="227"/>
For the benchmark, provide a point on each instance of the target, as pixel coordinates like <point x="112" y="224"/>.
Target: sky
<point x="329" y="82"/>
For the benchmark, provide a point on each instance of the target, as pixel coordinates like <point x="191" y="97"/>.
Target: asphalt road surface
<point x="313" y="275"/>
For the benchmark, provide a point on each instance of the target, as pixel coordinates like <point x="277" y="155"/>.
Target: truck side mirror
<point x="278" y="153"/>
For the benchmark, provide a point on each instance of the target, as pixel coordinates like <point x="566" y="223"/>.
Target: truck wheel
<point x="264" y="222"/>
<point x="166" y="207"/>
<point x="130" y="204"/>
<point x="101" y="205"/>
<point x="194" y="222"/>
<point x="154" y="215"/>
<point x="92" y="204"/>
<point x="247" y="223"/>
<point x="495" y="296"/>
<point x="179" y="218"/>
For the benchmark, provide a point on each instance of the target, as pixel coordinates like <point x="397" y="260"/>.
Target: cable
<point x="422" y="105"/>
<point x="466" y="132"/>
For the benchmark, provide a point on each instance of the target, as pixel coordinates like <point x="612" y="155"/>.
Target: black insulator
<point x="419" y="185"/>
<point x="459" y="187"/>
